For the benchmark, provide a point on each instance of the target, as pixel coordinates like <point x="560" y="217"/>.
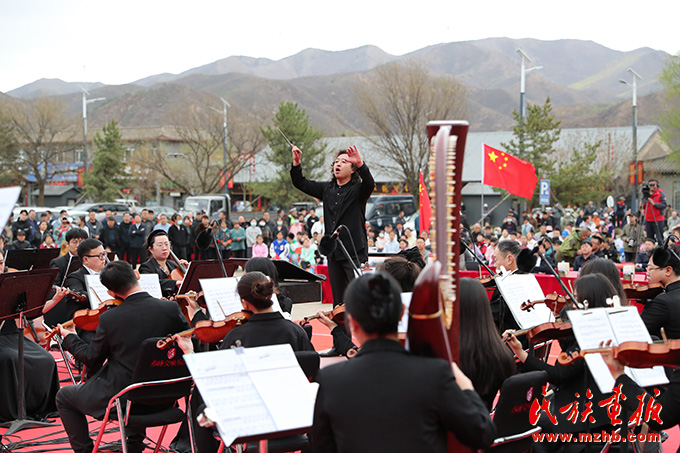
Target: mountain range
<point x="580" y="77"/>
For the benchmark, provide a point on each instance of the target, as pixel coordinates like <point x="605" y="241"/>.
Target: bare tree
<point x="398" y="100"/>
<point x="43" y="131"/>
<point x="197" y="166"/>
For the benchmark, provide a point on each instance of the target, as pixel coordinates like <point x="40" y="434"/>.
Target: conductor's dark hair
<point x="85" y="247"/>
<point x="264" y="265"/>
<point x="484" y="359"/>
<point x="509" y="246"/>
<point x="404" y="271"/>
<point x="76" y="233"/>
<point x="609" y="270"/>
<point x="118" y="276"/>
<point x="355" y="175"/>
<point x="374" y="301"/>
<point x="152" y="237"/>
<point x="663" y="257"/>
<point x="594" y="288"/>
<point x="257" y="289"/>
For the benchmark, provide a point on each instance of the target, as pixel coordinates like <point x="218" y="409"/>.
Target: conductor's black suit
<point x="118" y="338"/>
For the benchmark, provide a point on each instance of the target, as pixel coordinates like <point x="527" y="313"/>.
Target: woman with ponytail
<point x="266" y="326"/>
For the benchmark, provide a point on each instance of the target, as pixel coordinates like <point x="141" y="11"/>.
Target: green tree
<point x="534" y="139"/>
<point x="397" y="101"/>
<point x="579" y="179"/>
<point x="670" y="119"/>
<point x="9" y="151"/>
<point x="294" y="122"/>
<point x="108" y="165"/>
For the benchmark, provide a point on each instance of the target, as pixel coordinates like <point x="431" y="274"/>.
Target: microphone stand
<point x="219" y="255"/>
<point x="670" y="249"/>
<point x="492" y="273"/>
<point x="564" y="287"/>
<point x="346" y="253"/>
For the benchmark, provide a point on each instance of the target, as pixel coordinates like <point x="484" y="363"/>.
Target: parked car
<point x="384" y="209"/>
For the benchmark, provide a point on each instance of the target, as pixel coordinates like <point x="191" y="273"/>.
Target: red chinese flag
<point x="425" y="217"/>
<point x="507" y="172"/>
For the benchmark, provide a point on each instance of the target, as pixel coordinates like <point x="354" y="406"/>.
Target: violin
<point x="209" y="331"/>
<point x="69" y="292"/>
<point x="336" y="315"/>
<point x="86" y="319"/>
<point x="487" y="282"/>
<point x="641" y="291"/>
<point x="634" y="354"/>
<point x="554" y="302"/>
<point x="546" y="331"/>
<point x="184" y="299"/>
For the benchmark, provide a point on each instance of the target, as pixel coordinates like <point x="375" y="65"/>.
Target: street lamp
<point x="524" y="71"/>
<point x="225" y="104"/>
<point x="85" y="102"/>
<point x="636" y="77"/>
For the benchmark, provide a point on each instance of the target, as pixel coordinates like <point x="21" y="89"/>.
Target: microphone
<point x="328" y="243"/>
<point x="204" y="238"/>
<point x="534" y="250"/>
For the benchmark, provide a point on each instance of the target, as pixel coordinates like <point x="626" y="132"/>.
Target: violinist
<point x="506" y="255"/>
<point x="74" y="237"/>
<point x="116" y="341"/>
<point x="385" y="399"/>
<point x="93" y="257"/>
<point x="570" y="381"/>
<point x="158" y="246"/>
<point x="266" y="327"/>
<point x="664" y="309"/>
<point x="669" y="400"/>
<point x="609" y="270"/>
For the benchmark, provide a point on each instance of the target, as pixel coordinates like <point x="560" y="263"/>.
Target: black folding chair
<point x="511" y="416"/>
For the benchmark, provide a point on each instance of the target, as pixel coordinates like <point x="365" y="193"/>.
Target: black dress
<point x="40" y="371"/>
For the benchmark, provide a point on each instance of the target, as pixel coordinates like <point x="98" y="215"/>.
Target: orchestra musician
<point x="73" y="238"/>
<point x="664" y="309"/>
<point x="344" y="198"/>
<point x="484" y="359"/>
<point x="265" y="327"/>
<point x="570" y="383"/>
<point x="423" y="396"/>
<point x="116" y="341"/>
<point x="40" y="371"/>
<point x="506" y="255"/>
<point x="93" y="257"/>
<point x="158" y="246"/>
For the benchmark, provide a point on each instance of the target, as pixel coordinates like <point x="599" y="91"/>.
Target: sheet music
<point x="519" y="288"/>
<point x="403" y="322"/>
<point x="8" y="199"/>
<point x="243" y="386"/>
<point x="96" y="291"/>
<point x="222" y="290"/>
<point x="619" y="324"/>
<point x="151" y="284"/>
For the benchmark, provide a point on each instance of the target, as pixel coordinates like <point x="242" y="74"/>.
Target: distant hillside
<point x="51" y="87"/>
<point x="580" y="77"/>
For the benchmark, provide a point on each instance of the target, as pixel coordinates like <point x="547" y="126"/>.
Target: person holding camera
<point x="631" y="241"/>
<point x="654" y="206"/>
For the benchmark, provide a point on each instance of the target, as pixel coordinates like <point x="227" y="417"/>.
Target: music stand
<point x="204" y="269"/>
<point x="30" y="258"/>
<point x="22" y="293"/>
<point x="73" y="266"/>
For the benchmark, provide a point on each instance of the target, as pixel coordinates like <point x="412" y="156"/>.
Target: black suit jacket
<point x="168" y="285"/>
<point x="66" y="308"/>
<point x="117" y="340"/>
<point x="664" y="311"/>
<point x="61" y="263"/>
<point x="387" y="400"/>
<point x="351" y="211"/>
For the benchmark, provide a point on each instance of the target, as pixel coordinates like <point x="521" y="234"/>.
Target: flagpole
<point x="482" y="185"/>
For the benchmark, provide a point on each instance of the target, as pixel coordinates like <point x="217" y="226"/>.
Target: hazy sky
<point x="121" y="41"/>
